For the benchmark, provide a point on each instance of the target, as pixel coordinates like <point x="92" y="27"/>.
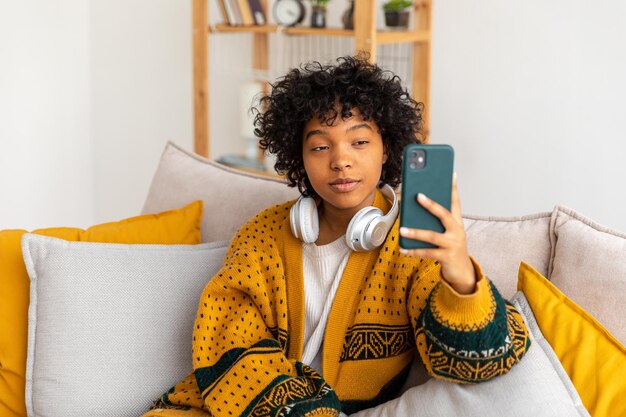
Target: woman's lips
<point x="344" y="187"/>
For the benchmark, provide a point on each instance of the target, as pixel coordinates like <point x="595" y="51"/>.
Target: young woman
<point x="316" y="310"/>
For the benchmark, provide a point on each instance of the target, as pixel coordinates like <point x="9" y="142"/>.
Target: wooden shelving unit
<point x="366" y="38"/>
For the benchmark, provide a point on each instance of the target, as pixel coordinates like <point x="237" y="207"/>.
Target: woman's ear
<point x="385" y="156"/>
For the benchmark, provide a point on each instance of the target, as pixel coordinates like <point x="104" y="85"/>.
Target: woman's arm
<point x="240" y="338"/>
<point x="466" y="338"/>
<point x="239" y="356"/>
<point x="241" y="335"/>
<point x="464" y="330"/>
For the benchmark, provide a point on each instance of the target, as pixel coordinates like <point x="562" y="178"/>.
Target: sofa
<point x="110" y="322"/>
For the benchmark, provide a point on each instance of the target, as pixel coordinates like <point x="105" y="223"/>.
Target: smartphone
<point x="426" y="169"/>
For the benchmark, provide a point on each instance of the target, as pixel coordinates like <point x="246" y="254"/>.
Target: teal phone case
<point x="434" y="180"/>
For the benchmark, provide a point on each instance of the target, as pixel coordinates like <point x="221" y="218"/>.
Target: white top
<point x="322" y="270"/>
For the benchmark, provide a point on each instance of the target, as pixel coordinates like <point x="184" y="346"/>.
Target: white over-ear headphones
<point x="367" y="229"/>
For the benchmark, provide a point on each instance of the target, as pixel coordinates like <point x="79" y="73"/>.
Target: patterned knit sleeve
<point x="240" y="367"/>
<point x="240" y="364"/>
<point x="465" y="338"/>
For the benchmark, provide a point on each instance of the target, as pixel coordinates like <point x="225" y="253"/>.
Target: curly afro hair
<point x="331" y="91"/>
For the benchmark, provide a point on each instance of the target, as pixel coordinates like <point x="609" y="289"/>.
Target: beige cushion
<point x="499" y="244"/>
<point x="588" y="264"/>
<point x="537" y="386"/>
<point x="231" y="197"/>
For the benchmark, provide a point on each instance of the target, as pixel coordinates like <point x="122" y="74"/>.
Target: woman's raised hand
<point x="456" y="267"/>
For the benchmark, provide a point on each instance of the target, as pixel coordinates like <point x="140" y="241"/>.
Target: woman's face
<point x="344" y="161"/>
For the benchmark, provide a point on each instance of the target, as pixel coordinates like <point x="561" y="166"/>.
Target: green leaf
<point x="397" y="5"/>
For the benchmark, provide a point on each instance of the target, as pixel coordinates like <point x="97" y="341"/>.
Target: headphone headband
<point x="391" y="195"/>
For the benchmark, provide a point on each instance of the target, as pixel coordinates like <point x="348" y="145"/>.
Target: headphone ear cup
<point x="309" y="222"/>
<point x="304" y="221"/>
<point x="294" y="219"/>
<point x="376" y="232"/>
<point x="357" y="237"/>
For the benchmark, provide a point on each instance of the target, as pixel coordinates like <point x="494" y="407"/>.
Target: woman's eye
<point x="319" y="148"/>
<point x="361" y="142"/>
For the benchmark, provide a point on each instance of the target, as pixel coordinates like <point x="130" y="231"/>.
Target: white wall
<point x="46" y="158"/>
<point x="529" y="93"/>
<point x="142" y="95"/>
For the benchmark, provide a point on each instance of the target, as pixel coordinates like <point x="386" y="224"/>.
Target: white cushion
<point x="588" y="264"/>
<point x="231" y="197"/>
<point x="500" y="243"/>
<point x="110" y="325"/>
<point x="537" y="386"/>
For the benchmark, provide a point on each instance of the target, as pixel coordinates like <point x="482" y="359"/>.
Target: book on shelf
<point x="234" y="12"/>
<point x="246" y="12"/>
<point x="257" y="12"/>
<point x="242" y="12"/>
<point x="224" y="11"/>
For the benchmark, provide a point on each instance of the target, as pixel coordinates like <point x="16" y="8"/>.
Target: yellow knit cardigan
<point x="249" y="330"/>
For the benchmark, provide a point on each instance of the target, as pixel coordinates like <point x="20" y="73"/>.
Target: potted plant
<point x="318" y="13"/>
<point x="397" y="13"/>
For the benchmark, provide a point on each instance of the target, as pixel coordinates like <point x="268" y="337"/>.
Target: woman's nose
<point x="341" y="160"/>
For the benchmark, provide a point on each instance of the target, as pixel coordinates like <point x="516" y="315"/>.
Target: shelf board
<point x="382" y="37"/>
<point x="301" y="30"/>
<point x="241" y="29"/>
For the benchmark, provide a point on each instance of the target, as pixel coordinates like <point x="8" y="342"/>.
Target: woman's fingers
<point x="438" y="210"/>
<point x="451" y="250"/>
<point x="447" y="243"/>
<point x="437" y="239"/>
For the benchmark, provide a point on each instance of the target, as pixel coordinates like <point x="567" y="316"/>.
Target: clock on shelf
<point x="288" y="12"/>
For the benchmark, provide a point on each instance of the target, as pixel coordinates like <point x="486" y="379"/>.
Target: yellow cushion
<point x="181" y="226"/>
<point x="594" y="360"/>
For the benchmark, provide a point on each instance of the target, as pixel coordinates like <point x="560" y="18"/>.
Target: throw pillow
<point x="594" y="360"/>
<point x="537" y="386"/>
<point x="231" y="197"/>
<point x="110" y="325"/>
<point x="588" y="265"/>
<point x="175" y="226"/>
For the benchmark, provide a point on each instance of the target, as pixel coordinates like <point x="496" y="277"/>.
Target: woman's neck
<point x="331" y="227"/>
<point x="333" y="222"/>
